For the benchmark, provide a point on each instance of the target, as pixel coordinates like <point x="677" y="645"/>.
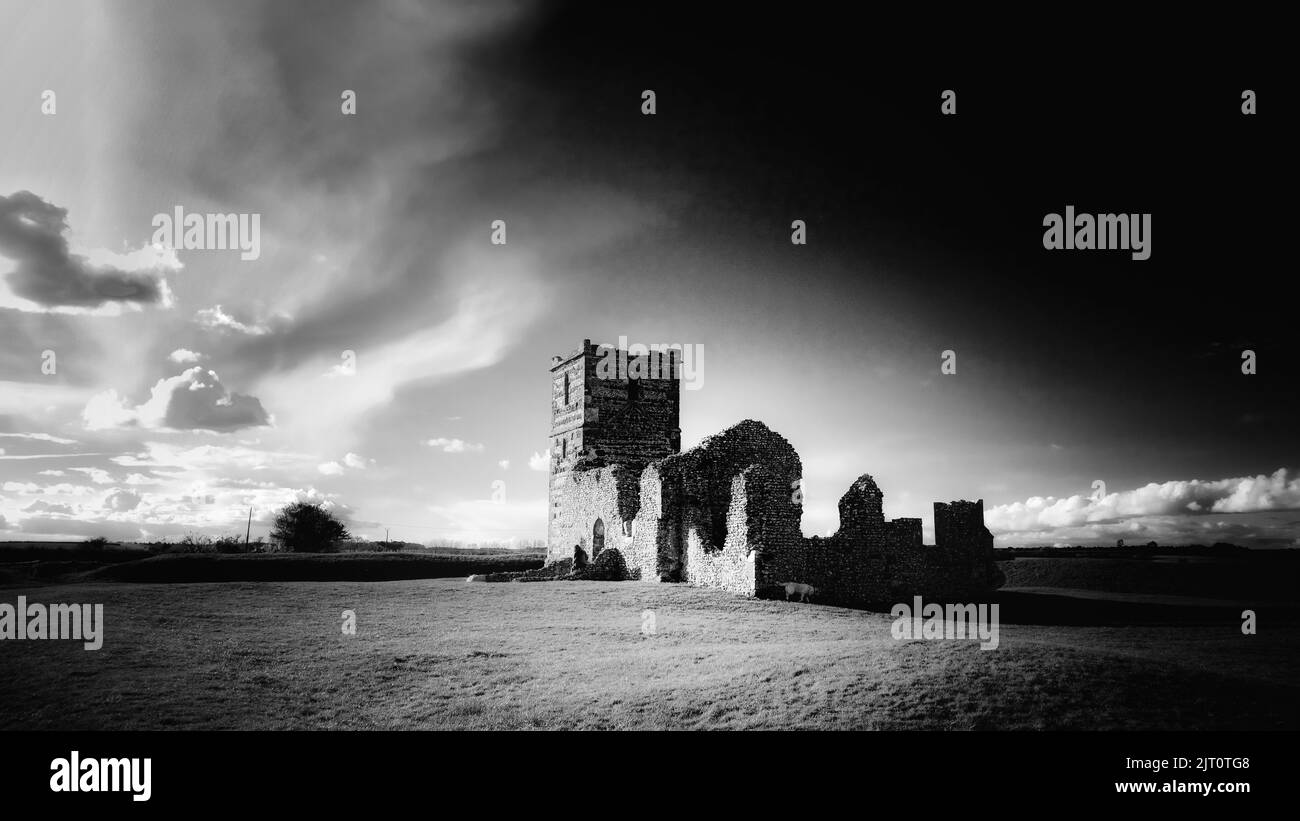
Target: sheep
<point x="803" y="591"/>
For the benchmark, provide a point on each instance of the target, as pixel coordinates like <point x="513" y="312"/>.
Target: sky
<point x="382" y="356"/>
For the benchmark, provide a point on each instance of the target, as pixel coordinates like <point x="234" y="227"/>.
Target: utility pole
<point x="249" y="531"/>
<point x="385" y="535"/>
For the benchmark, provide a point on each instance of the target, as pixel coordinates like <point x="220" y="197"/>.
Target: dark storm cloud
<point x="193" y="400"/>
<point x="406" y="177"/>
<point x="201" y="402"/>
<point x="32" y="234"/>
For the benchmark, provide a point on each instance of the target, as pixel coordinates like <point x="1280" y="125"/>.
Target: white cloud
<point x="208" y="505"/>
<point x="454" y="445"/>
<point x="1260" y="493"/>
<point x="97" y="475"/>
<point x="184" y="356"/>
<point x="1250" y="494"/>
<point x="147" y="257"/>
<point x="107" y="410"/>
<point x="215" y="319"/>
<point x="41" y="437"/>
<point x="121" y="501"/>
<point x="504" y="464"/>
<point x="223" y="459"/>
<point x="350" y="460"/>
<point x="540" y="461"/>
<point x="193" y="400"/>
<point x="61" y="489"/>
<point x="58" y="508"/>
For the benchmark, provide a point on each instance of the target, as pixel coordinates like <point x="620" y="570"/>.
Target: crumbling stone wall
<point x="861" y="513"/>
<point x="760" y="518"/>
<point x="657" y="532"/>
<point x="873" y="561"/>
<point x="730" y="496"/>
<point x="726" y="513"/>
<point x="729" y="567"/>
<point x="901" y="533"/>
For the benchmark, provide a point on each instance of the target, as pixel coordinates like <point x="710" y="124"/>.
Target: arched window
<point x="718" y="525"/>
<point x="597" y="538"/>
<point x="566" y="389"/>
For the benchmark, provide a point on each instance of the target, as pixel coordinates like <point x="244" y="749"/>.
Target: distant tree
<point x="97" y="543"/>
<point x="230" y="544"/>
<point x="306" y="528"/>
<point x="1120" y="543"/>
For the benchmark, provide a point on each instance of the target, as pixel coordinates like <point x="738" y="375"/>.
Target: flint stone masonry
<point x="725" y="514"/>
<point x="903" y="533"/>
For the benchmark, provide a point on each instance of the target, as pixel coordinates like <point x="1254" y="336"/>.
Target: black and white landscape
<point x="290" y="294"/>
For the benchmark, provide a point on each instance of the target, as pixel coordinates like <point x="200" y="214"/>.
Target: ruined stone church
<point x="725" y="514"/>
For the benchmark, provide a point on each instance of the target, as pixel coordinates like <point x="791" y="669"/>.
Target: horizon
<point x="540" y="544"/>
<point x="367" y="344"/>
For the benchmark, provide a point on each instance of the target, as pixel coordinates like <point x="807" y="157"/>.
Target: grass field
<point x="432" y="654"/>
<point x="255" y="567"/>
<point x="1268" y="575"/>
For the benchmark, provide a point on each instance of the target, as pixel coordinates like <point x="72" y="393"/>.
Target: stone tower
<point x="609" y="407"/>
<point x="960" y="525"/>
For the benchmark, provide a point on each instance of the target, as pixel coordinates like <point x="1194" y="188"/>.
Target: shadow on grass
<point x="1032" y="607"/>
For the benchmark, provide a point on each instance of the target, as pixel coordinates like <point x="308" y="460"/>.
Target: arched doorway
<point x="597" y="538"/>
